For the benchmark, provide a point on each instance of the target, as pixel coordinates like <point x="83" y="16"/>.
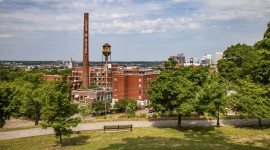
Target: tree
<point x="265" y="42"/>
<point x="238" y="61"/>
<point x="122" y="104"/>
<point x="33" y="89"/>
<point x="251" y="99"/>
<point x="131" y="107"/>
<point x="99" y="107"/>
<point x="262" y="68"/>
<point x="212" y="97"/>
<point x="58" y="110"/>
<point x="248" y="68"/>
<point x="9" y="74"/>
<point x="170" y="64"/>
<point x="176" y="89"/>
<point x="86" y="110"/>
<point x="6" y="96"/>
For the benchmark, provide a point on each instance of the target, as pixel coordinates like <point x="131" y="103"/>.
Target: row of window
<point x="139" y="97"/>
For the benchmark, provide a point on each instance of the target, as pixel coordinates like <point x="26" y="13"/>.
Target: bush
<point x="142" y="115"/>
<point x="121" y="104"/>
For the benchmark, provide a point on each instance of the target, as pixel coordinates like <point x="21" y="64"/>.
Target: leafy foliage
<point x="32" y="88"/>
<point x="251" y="99"/>
<point x="58" y="110"/>
<point x="122" y="104"/>
<point x="6" y="96"/>
<point x="238" y="62"/>
<point x="212" y="97"/>
<point x="265" y="42"/>
<point x="262" y="68"/>
<point x="87" y="110"/>
<point x="9" y="74"/>
<point x="99" y="107"/>
<point x="176" y="89"/>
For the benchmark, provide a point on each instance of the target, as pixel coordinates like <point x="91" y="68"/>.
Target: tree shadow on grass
<point x="76" y="140"/>
<point x="215" y="138"/>
<point x="199" y="138"/>
<point x="263" y="135"/>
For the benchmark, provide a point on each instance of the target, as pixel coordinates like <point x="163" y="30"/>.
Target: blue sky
<point x="137" y="30"/>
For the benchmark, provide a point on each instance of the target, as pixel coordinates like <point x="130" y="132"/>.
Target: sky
<point x="137" y="30"/>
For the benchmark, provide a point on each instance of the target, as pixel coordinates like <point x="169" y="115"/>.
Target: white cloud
<point x="6" y="36"/>
<point x="228" y="10"/>
<point x="126" y="16"/>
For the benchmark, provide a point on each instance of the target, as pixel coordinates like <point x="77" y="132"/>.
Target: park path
<point x="157" y="123"/>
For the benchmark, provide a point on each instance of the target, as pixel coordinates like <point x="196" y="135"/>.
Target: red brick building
<point x="52" y="77"/>
<point x="126" y="82"/>
<point x="132" y="86"/>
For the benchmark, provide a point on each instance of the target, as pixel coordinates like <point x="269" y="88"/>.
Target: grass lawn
<point x="190" y="138"/>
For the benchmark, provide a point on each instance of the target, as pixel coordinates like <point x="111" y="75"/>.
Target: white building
<point x="219" y="55"/>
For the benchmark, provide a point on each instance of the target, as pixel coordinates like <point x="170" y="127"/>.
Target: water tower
<point x="106" y="52"/>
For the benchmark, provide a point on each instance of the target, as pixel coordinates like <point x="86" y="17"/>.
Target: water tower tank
<point x="106" y="50"/>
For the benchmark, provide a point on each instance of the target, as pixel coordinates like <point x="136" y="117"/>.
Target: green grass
<point x="19" y="128"/>
<point x="189" y="138"/>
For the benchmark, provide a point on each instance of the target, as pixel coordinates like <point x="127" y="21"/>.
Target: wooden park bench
<point x="116" y="128"/>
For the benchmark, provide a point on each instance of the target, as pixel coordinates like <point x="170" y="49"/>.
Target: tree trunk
<point x="260" y="122"/>
<point x="179" y="124"/>
<point x="60" y="138"/>
<point x="218" y="124"/>
<point x="37" y="118"/>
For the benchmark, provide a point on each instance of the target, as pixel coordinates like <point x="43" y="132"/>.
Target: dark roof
<point x="106" y="45"/>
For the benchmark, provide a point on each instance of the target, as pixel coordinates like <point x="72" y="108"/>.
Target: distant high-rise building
<point x="70" y="63"/>
<point x="180" y="58"/>
<point x="196" y="60"/>
<point x="206" y="60"/>
<point x="219" y="55"/>
<point x="191" y="61"/>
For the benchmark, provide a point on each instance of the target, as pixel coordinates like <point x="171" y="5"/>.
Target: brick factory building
<point x="133" y="85"/>
<point x="125" y="82"/>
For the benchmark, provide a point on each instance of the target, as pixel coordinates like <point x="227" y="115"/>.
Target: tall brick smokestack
<point x="85" y="76"/>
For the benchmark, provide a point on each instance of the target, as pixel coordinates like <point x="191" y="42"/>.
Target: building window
<point x="140" y="80"/>
<point x="115" y="79"/>
<point x="140" y="97"/>
<point x="140" y="85"/>
<point x="140" y="92"/>
<point x="115" y="89"/>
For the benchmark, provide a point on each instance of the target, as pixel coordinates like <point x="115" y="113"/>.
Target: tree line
<point x="244" y="71"/>
<point x="27" y="94"/>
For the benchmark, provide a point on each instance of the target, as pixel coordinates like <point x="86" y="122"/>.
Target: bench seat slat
<point x="117" y="127"/>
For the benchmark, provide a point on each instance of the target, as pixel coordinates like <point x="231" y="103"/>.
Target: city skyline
<point x="136" y="30"/>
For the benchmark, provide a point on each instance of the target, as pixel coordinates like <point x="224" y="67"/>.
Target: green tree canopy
<point x="212" y="97"/>
<point x="176" y="89"/>
<point x="6" y="96"/>
<point x="265" y="42"/>
<point x="99" y="107"/>
<point x="251" y="99"/>
<point x="33" y="95"/>
<point x="121" y="104"/>
<point x="86" y="110"/>
<point x="58" y="110"/>
<point x="238" y="61"/>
